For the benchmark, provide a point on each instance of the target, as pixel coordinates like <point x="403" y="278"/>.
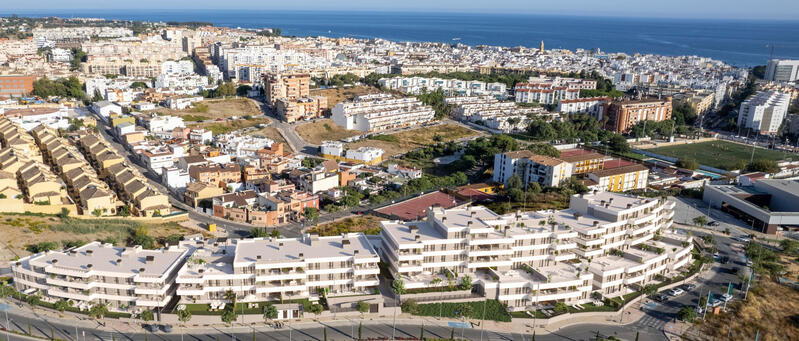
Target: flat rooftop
<point x="416" y="208"/>
<point x="619" y="201"/>
<point x="109" y="259"/>
<point x="271" y="250"/>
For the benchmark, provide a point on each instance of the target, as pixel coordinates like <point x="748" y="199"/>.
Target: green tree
<point x="687" y="314"/>
<point x="398" y="286"/>
<point x="544" y="149"/>
<point x="33" y="299"/>
<point x="650" y="289"/>
<point x="138" y="85"/>
<point x="62" y="305"/>
<point x="270" y="312"/>
<point x="464" y="310"/>
<point x="763" y="165"/>
<point x="311" y="213"/>
<point x="184" y="315"/>
<point x="363" y="307"/>
<point x="147" y="315"/>
<point x="789" y="245"/>
<point x="225" y="89"/>
<point x="228" y="316"/>
<point x="98" y="310"/>
<point x="619" y="144"/>
<point x="466" y="282"/>
<point x="243" y="89"/>
<point x="560" y="307"/>
<point x="410" y="306"/>
<point x="259" y="232"/>
<point x="514" y="181"/>
<point x="700" y="220"/>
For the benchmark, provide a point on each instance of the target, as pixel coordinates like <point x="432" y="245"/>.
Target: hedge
<point x="494" y="310"/>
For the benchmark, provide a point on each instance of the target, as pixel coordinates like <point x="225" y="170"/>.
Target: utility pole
<point x="483" y="322"/>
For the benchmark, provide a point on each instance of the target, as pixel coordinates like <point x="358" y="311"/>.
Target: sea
<point x="736" y="42"/>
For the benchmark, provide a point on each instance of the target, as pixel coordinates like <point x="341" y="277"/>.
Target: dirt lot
<point x="227" y="126"/>
<point x="770" y="308"/>
<point x="338" y="95"/>
<point x="19" y="231"/>
<point x="402" y="142"/>
<point x="216" y="108"/>
<point x="367" y="224"/>
<point x="268" y="132"/>
<point x="324" y="130"/>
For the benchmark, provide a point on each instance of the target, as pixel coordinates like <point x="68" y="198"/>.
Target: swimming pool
<point x="712" y="175"/>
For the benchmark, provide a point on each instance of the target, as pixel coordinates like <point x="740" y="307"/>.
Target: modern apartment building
<point x="16" y="85"/>
<point x="450" y="87"/>
<point x="126" y="279"/>
<point x="530" y="167"/>
<point x="286" y="86"/>
<point x="380" y="112"/>
<point x="593" y="106"/>
<point x="620" y="179"/>
<point x="782" y="70"/>
<point x="306" y="108"/>
<point x="282" y="269"/>
<point x="540" y="258"/>
<point x="764" y="111"/>
<point x="625" y="114"/>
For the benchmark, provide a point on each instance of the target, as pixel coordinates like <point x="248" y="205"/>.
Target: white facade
<point x="165" y="123"/>
<point x="764" y="111"/>
<point x="407" y="172"/>
<point x="381" y="112"/>
<point x="782" y="70"/>
<point x="175" y="179"/>
<point x="593" y="106"/>
<point x="365" y="154"/>
<point x="451" y="87"/>
<point x="181" y="67"/>
<point x="105" y="108"/>
<point x="241" y="145"/>
<point x="127" y="279"/>
<point x="333" y="148"/>
<point x="530" y="167"/>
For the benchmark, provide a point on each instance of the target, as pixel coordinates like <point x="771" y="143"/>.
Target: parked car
<point x="725" y="297"/>
<point x="661" y="297"/>
<point x="689" y="287"/>
<point x="713" y="223"/>
<point x="167" y="328"/>
<point x="676" y="292"/>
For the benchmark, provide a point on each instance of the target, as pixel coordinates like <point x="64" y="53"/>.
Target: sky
<point x="709" y="9"/>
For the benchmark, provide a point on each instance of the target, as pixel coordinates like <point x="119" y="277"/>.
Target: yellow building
<point x="621" y="179"/>
<point x="115" y="121"/>
<point x="583" y="161"/>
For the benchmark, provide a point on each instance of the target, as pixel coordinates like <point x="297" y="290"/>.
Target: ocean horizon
<point x="736" y="42"/>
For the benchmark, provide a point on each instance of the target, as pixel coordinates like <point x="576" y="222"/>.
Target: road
<point x="342" y="329"/>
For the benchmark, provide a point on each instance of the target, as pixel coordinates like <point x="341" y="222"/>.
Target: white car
<point x="676" y="292"/>
<point x="725" y="297"/>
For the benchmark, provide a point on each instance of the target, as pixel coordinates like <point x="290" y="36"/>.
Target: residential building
<point x="620" y="179"/>
<point x="450" y="87"/>
<point x="283" y="269"/>
<point x="125" y="279"/>
<point x="583" y="161"/>
<point x="306" y="108"/>
<point x="219" y="174"/>
<point x="380" y="112"/>
<point x="782" y="70"/>
<point x="16" y="85"/>
<point x="764" y="111"/>
<point x="530" y="167"/>
<point x="406" y="172"/>
<point x="624" y="114"/>
<point x="593" y="106"/>
<point x="198" y="191"/>
<point x="286" y="86"/>
<point x="540" y="258"/>
<point x="105" y="108"/>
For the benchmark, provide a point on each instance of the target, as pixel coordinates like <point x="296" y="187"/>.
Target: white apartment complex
<point x="593" y="106"/>
<point x="530" y="167"/>
<point x="380" y="112"/>
<point x="782" y="70"/>
<point x="540" y="258"/>
<point x="764" y="111"/>
<point x="127" y="279"/>
<point x="276" y="269"/>
<point x="488" y="111"/>
<point x="451" y="87"/>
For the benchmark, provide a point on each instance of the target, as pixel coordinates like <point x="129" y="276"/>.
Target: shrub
<point x="410" y="307"/>
<point x="147" y="315"/>
<point x="494" y="310"/>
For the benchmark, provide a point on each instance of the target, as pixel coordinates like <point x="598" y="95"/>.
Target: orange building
<point x="16" y="85"/>
<point x="286" y="86"/>
<point x="624" y="114"/>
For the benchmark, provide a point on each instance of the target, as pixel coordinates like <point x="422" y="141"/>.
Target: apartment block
<point x="380" y="112"/>
<point x="16" y="85"/>
<point x="286" y="86"/>
<point x="593" y="106"/>
<point x="530" y="167"/>
<point x="620" y="179"/>
<point x="764" y="111"/>
<point x="306" y="108"/>
<point x="625" y="114"/>
<point x="782" y="70"/>
<point x="604" y="242"/>
<point x="125" y="279"/>
<point x="343" y="269"/>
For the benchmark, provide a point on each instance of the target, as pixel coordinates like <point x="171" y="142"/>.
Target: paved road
<point x="344" y="329"/>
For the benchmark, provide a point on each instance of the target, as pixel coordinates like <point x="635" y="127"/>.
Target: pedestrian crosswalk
<point x="651" y="321"/>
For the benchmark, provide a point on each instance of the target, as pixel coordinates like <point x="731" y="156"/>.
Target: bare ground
<point x="324" y="130"/>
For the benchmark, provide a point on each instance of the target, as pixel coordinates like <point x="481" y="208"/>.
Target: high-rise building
<point x="782" y="70"/>
<point x="764" y="111"/>
<point x="624" y="114"/>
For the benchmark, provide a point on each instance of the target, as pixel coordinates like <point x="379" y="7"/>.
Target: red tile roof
<point x="416" y="208"/>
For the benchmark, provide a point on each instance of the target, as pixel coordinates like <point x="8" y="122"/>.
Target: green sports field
<point x="720" y="154"/>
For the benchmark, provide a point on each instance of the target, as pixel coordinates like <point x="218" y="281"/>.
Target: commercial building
<point x="782" y="70"/>
<point x="125" y="279"/>
<point x="767" y="206"/>
<point x="380" y="112"/>
<point x="625" y="114"/>
<point x="530" y="167"/>
<point x="604" y="242"/>
<point x="764" y="111"/>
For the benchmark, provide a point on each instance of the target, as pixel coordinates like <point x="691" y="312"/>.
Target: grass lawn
<point x="338" y="95"/>
<point x="405" y="141"/>
<point x="228" y="126"/>
<point x="720" y="154"/>
<point x="216" y="108"/>
<point x="324" y="130"/>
